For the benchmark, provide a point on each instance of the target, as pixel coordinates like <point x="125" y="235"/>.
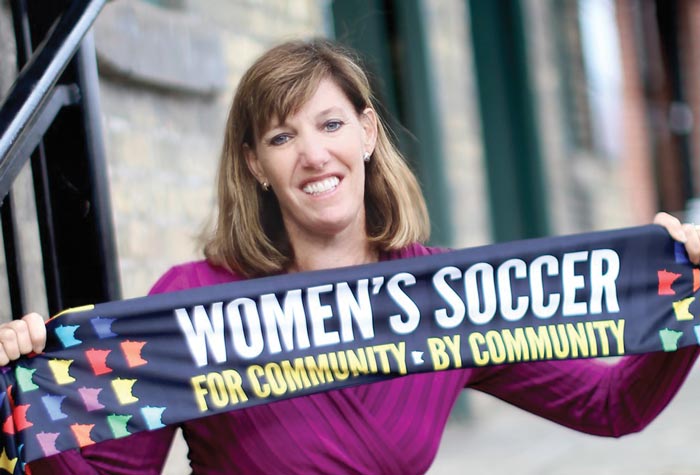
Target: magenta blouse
<point x="390" y="427"/>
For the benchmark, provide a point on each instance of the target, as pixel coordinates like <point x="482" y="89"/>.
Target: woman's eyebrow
<point x="274" y="125"/>
<point x="330" y="110"/>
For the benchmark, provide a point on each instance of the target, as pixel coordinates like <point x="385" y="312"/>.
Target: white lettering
<point x="603" y="283"/>
<point x="357" y="307"/>
<point x="205" y="332"/>
<point x="472" y="283"/>
<point x="318" y="314"/>
<point x="290" y="320"/>
<point x="451" y="297"/>
<point x="397" y="323"/>
<point x="505" y="293"/>
<point x="571" y="282"/>
<point x="255" y="343"/>
<point x="537" y="286"/>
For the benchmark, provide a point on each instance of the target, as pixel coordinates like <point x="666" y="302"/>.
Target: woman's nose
<point x="313" y="153"/>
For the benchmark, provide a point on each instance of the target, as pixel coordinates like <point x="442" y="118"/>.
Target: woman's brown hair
<point x="248" y="236"/>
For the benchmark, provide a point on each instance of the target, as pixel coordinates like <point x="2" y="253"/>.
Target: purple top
<point x="390" y="427"/>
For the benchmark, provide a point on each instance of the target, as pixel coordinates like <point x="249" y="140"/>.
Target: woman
<point x="309" y="180"/>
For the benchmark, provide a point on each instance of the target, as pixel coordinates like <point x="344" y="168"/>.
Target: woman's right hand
<point x="686" y="233"/>
<point x="21" y="337"/>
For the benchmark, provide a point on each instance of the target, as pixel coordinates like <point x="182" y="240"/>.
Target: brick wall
<point x="164" y="103"/>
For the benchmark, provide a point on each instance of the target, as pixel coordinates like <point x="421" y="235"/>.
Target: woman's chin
<point x="336" y="227"/>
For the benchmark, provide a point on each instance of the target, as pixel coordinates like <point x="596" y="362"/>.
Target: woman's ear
<point x="251" y="160"/>
<point x="368" y="121"/>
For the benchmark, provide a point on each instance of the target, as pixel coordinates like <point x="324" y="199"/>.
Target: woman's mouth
<point x="322" y="186"/>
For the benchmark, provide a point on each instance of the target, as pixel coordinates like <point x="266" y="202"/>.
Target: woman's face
<point x="314" y="165"/>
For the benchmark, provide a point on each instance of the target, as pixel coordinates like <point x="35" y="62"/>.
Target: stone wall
<point x="166" y="78"/>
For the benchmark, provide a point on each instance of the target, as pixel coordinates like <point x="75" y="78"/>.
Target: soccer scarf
<point x="114" y="369"/>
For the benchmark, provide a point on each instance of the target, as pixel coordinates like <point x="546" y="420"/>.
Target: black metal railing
<point x="51" y="116"/>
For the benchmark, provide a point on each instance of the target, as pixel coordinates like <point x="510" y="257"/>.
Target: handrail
<point x="32" y="90"/>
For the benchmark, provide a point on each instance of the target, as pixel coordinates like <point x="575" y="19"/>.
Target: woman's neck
<point x="330" y="253"/>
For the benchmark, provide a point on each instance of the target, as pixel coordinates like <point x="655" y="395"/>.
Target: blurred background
<point x="521" y="118"/>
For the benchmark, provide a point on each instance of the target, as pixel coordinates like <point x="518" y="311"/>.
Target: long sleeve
<point x="592" y="396"/>
<point x="140" y="454"/>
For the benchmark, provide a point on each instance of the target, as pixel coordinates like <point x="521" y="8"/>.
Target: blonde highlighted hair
<point x="248" y="235"/>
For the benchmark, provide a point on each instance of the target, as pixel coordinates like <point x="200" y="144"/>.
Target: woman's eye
<point x="333" y="125"/>
<point x="279" y="139"/>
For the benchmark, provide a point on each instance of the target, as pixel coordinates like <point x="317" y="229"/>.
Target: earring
<point x="366" y="157"/>
<point x="265" y="186"/>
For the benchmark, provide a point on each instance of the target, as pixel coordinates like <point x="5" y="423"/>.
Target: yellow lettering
<point x="320" y="371"/>
<point x="223" y="389"/>
<point x="234" y="384"/>
<point x="199" y="391"/>
<point x="453" y="345"/>
<point x="383" y="358"/>
<point x="592" y="342"/>
<point x="618" y="331"/>
<point x="357" y="362"/>
<point x="370" y="360"/>
<point x="604" y="344"/>
<point x="275" y="379"/>
<point x="560" y="343"/>
<point x="340" y="374"/>
<point x="577" y="339"/>
<point x="540" y="344"/>
<point x="438" y="354"/>
<point x="217" y="390"/>
<point x="497" y="350"/>
<point x="295" y="374"/>
<point x="399" y="352"/>
<point x="481" y="358"/>
<point x="254" y="372"/>
<point x="516" y="345"/>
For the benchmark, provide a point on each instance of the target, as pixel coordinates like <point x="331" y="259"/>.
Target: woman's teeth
<point x="321" y="186"/>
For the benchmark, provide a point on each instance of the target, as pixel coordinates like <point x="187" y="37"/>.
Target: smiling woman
<point x="303" y="123"/>
<point x="308" y="180"/>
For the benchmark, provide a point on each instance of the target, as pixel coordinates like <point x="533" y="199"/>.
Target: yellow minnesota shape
<point x="122" y="388"/>
<point x="60" y="368"/>
<point x="6" y="462"/>
<point x="682" y="309"/>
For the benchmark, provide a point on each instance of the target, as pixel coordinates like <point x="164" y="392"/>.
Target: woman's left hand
<point x="686" y="233"/>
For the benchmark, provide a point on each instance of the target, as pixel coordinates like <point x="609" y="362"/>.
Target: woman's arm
<point x="143" y="453"/>
<point x="592" y="396"/>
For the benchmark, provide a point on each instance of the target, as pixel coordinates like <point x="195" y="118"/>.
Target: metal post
<point x="12" y="258"/>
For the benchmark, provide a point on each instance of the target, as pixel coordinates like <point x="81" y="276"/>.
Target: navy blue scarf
<point x="117" y="368"/>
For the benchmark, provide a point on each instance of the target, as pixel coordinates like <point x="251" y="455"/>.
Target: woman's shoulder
<point x="193" y="274"/>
